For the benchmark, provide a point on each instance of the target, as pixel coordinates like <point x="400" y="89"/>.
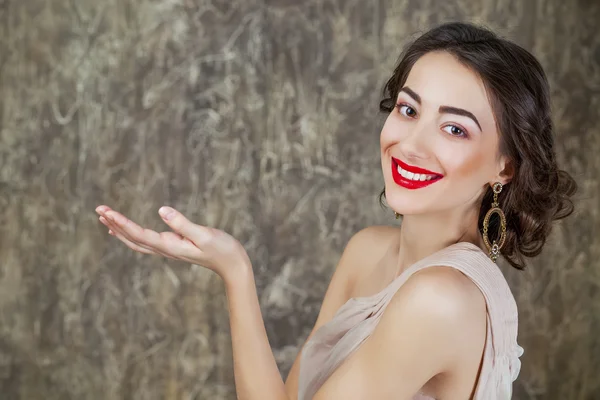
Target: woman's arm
<point x="256" y="374"/>
<point x="255" y="370"/>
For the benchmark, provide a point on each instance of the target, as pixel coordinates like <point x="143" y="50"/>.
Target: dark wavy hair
<point x="539" y="191"/>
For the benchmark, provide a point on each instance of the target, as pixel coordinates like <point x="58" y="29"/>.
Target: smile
<point x="412" y="177"/>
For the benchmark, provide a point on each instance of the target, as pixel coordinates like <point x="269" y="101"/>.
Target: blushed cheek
<point x="473" y="167"/>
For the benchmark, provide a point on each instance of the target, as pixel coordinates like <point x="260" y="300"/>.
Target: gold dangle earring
<point x="396" y="214"/>
<point x="495" y="247"/>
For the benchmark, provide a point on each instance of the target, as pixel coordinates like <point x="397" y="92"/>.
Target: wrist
<point x="239" y="277"/>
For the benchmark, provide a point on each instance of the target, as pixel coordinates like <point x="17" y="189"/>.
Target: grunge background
<point x="259" y="117"/>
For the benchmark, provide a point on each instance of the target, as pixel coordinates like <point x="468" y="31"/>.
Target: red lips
<point x="410" y="184"/>
<point x="414" y="170"/>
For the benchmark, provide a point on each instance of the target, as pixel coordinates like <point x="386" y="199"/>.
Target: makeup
<point x="411" y="177"/>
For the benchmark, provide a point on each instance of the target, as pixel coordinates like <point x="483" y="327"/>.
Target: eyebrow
<point x="443" y="109"/>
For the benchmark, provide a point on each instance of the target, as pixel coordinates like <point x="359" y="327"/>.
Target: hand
<point x="196" y="244"/>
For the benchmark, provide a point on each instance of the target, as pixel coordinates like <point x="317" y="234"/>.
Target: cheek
<point x="478" y="161"/>
<point x="389" y="132"/>
<point x="468" y="165"/>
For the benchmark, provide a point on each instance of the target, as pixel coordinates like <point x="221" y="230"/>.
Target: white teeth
<point x="414" y="177"/>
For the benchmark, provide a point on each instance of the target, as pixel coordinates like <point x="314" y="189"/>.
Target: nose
<point x="414" y="144"/>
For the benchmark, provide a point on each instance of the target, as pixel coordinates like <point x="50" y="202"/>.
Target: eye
<point x="406" y="110"/>
<point x="455" y="131"/>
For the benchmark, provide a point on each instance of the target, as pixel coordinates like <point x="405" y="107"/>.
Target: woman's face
<point x="444" y="130"/>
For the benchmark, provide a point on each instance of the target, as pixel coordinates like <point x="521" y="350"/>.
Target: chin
<point x="407" y="202"/>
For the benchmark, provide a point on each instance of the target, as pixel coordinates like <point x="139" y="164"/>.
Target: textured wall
<point x="259" y="118"/>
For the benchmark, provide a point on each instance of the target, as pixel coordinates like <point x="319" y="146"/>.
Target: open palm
<point x="209" y="247"/>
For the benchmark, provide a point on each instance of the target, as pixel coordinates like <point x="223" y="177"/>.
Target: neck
<point x="424" y="234"/>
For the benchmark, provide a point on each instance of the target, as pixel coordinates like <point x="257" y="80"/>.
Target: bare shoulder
<point x="372" y="241"/>
<point x="440" y="284"/>
<point x="378" y="234"/>
<point x="446" y="304"/>
<point x="452" y="309"/>
<point x="443" y="290"/>
<point x="433" y="326"/>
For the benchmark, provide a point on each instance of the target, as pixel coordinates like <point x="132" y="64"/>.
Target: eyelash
<point x="464" y="132"/>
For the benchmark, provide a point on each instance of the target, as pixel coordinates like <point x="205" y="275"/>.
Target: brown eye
<point x="455" y="131"/>
<point x="406" y="110"/>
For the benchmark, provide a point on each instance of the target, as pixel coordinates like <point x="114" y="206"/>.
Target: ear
<point x="506" y="171"/>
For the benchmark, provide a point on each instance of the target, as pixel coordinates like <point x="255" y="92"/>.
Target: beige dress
<point x="352" y="324"/>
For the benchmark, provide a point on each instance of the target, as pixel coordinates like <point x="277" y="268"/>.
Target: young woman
<point x="420" y="311"/>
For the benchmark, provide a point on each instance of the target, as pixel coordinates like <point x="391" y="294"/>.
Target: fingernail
<point x="166" y="212"/>
<point x="110" y="232"/>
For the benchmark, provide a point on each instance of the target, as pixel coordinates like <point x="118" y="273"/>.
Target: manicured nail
<point x="166" y="212"/>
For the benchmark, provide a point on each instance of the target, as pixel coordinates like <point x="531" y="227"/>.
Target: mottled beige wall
<point x="260" y="118"/>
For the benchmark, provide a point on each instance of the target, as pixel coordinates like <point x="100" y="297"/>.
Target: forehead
<point x="440" y="79"/>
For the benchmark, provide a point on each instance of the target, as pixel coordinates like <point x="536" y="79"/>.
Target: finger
<point x="132" y="245"/>
<point x="129" y="230"/>
<point x="117" y="232"/>
<point x="132" y="231"/>
<point x="170" y="244"/>
<point x="101" y="209"/>
<point x="198" y="234"/>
